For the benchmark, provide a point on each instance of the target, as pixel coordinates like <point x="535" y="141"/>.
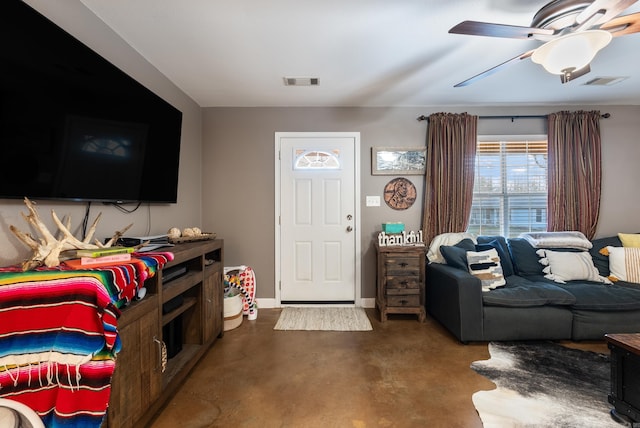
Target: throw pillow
<point x="525" y="259"/>
<point x="434" y="255"/>
<point x="563" y="266"/>
<point x="505" y="260"/>
<point x="485" y="265"/>
<point x="599" y="259"/>
<point x="630" y="239"/>
<point x="624" y="263"/>
<point x="456" y="255"/>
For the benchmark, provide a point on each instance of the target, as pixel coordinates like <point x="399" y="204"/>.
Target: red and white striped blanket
<point x="59" y="338"/>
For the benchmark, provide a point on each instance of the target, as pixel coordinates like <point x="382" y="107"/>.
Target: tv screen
<point x="73" y="126"/>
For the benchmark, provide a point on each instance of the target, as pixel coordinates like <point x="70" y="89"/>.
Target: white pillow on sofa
<point x="624" y="263"/>
<point x="563" y="266"/>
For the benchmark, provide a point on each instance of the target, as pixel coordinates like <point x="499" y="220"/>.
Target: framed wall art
<point x="400" y="193"/>
<point x="398" y="160"/>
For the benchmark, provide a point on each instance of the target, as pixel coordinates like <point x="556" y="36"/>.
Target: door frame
<point x="356" y="204"/>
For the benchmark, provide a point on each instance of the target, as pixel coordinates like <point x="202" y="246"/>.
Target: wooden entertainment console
<point x="186" y="310"/>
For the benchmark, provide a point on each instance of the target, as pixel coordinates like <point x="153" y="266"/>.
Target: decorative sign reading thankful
<point x="404" y="238"/>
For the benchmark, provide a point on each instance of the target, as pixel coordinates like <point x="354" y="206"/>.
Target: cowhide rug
<point x="543" y="384"/>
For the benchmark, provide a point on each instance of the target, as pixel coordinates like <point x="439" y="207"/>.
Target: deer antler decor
<point x="47" y="248"/>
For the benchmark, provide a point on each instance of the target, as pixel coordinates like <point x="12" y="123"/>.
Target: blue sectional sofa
<point x="531" y="306"/>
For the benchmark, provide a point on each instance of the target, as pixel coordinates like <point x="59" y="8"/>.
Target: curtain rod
<point x="537" y="116"/>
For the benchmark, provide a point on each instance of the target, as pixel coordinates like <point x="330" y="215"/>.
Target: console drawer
<point x="403" y="266"/>
<point x="403" y="282"/>
<point x="403" y="300"/>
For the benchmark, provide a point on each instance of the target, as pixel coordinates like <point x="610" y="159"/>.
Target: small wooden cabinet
<point x="186" y="309"/>
<point x="625" y="377"/>
<point x="400" y="281"/>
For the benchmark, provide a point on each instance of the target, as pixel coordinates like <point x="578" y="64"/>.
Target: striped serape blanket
<point x="59" y="337"/>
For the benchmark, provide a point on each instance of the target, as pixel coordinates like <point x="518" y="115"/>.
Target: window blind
<point x="510" y="187"/>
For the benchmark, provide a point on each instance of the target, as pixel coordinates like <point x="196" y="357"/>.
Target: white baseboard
<point x="368" y="302"/>
<point x="270" y="303"/>
<point x="266" y="303"/>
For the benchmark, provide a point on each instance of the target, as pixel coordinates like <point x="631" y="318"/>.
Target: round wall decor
<point x="400" y="193"/>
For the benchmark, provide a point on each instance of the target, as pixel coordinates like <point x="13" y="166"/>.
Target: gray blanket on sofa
<point x="571" y="239"/>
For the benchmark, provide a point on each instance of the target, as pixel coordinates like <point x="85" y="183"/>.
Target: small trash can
<point x="232" y="311"/>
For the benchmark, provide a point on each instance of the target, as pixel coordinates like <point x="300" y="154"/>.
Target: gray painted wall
<point x="238" y="177"/>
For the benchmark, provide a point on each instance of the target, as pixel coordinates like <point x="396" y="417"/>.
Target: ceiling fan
<point x="573" y="31"/>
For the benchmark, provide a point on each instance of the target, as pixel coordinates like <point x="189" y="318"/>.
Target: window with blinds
<point x="510" y="187"/>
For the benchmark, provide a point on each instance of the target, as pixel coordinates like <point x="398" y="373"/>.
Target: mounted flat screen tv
<point x="75" y="127"/>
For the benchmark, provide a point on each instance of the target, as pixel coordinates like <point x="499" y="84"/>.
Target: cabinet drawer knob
<point x="404" y="264"/>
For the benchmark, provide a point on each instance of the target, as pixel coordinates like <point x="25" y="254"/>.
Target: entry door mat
<point x="323" y="319"/>
<point x="544" y="384"/>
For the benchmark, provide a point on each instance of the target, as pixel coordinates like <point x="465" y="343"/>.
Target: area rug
<point x="333" y="319"/>
<point x="544" y="384"/>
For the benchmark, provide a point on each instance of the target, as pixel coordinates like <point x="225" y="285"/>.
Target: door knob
<point x="349" y="228"/>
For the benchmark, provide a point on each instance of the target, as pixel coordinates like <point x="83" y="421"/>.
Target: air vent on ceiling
<point x="301" y="81"/>
<point x="605" y="81"/>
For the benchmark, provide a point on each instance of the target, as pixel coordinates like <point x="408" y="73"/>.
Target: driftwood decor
<point x="47" y="248"/>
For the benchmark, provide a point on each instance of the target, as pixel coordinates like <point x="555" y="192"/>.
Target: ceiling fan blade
<point x="476" y="28"/>
<point x="573" y="75"/>
<point x="608" y="9"/>
<point x="495" y="69"/>
<point x="622" y="25"/>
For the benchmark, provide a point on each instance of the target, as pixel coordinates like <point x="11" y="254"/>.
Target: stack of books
<point x="132" y="241"/>
<point x="150" y="242"/>
<point x="102" y="256"/>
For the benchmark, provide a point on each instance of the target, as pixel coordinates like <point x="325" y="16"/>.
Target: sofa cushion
<point x="568" y="266"/>
<point x="600" y="260"/>
<point x="456" y="255"/>
<point x="524" y="257"/>
<point x="485" y="265"/>
<point x="520" y="292"/>
<point x="500" y="244"/>
<point x="589" y="325"/>
<point x="603" y="297"/>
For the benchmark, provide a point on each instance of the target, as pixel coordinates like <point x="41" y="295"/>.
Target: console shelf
<point x="193" y="303"/>
<point x="189" y="302"/>
<point x="174" y="365"/>
<point x="178" y="286"/>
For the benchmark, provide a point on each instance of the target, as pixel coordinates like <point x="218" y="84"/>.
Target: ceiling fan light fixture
<point x="572" y="51"/>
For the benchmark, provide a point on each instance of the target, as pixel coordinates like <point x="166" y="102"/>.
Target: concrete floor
<point x="401" y="374"/>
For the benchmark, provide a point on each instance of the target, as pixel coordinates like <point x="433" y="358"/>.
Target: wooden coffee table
<point x="625" y="376"/>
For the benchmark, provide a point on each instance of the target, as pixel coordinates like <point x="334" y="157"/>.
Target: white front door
<point x="317" y="261"/>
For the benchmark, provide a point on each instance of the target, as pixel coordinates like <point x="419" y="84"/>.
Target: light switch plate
<point x="373" y="201"/>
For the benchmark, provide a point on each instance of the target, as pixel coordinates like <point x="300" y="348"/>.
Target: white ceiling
<point x="365" y="52"/>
